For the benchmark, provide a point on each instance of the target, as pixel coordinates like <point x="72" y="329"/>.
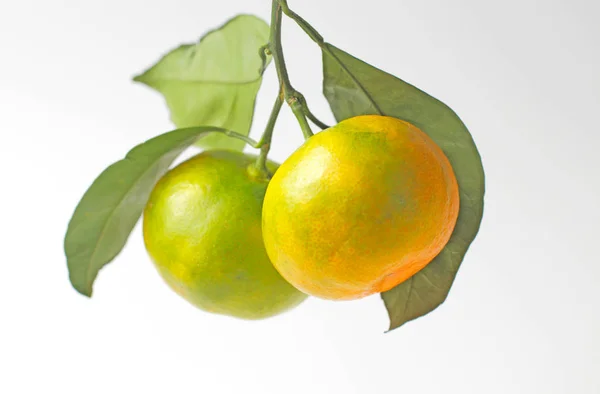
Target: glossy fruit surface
<point x="202" y="229"/>
<point x="359" y="208"/>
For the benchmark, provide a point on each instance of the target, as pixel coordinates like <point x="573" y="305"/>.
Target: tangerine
<point x="202" y="229"/>
<point x="359" y="208"/>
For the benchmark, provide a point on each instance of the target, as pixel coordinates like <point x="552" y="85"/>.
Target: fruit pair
<point x="356" y="210"/>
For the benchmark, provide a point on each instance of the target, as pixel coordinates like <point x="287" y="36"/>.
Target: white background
<point x="523" y="315"/>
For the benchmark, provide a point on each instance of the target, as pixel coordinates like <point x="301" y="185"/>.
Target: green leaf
<point x="353" y="88"/>
<point x="214" y="81"/>
<point x="113" y="204"/>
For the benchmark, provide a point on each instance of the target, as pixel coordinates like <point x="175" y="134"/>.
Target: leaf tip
<point x="139" y="78"/>
<point x="84" y="290"/>
<point x="80" y="285"/>
<point x="393" y="326"/>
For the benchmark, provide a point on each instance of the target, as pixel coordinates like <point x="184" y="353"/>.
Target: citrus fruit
<point x="359" y="208"/>
<point x="202" y="229"/>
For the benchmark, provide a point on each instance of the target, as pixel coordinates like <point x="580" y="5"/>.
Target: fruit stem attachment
<point x="264" y="144"/>
<point x="294" y="98"/>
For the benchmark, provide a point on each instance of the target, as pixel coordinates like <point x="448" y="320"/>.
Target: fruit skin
<point x="202" y="229"/>
<point x="359" y="208"/>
